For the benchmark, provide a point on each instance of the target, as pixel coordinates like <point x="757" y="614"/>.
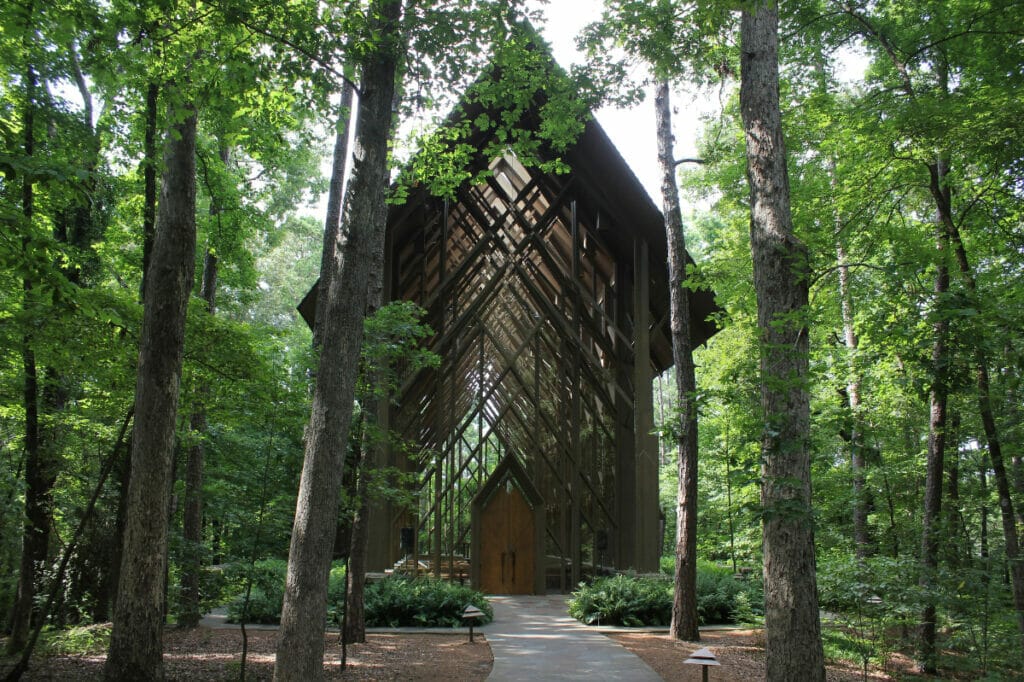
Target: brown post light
<point x="703" y="658"/>
<point x="471" y="615"/>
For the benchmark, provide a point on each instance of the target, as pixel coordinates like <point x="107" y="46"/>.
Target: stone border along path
<point x="534" y="638"/>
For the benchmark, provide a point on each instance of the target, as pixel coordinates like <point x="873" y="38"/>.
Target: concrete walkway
<point x="534" y="638"/>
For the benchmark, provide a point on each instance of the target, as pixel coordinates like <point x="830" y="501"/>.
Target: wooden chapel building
<point x="531" y="442"/>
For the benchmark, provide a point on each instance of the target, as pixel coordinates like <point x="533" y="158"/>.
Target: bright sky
<point x="632" y="130"/>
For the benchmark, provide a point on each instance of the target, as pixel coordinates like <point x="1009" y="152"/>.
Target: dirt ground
<point x="740" y="653"/>
<point x="204" y="655"/>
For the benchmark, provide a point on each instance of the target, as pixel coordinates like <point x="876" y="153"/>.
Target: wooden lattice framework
<point x="548" y="295"/>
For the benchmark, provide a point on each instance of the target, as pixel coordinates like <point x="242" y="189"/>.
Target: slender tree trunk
<point x="942" y="195"/>
<point x="792" y="626"/>
<point x="861" y="538"/>
<point x="938" y="398"/>
<point x="341" y="308"/>
<point x="190" y="610"/>
<point x="953" y="530"/>
<point x="370" y="460"/>
<point x="355" y="604"/>
<point x="136" y="647"/>
<point x="684" y="603"/>
<point x="190" y="606"/>
<point x="36" y="528"/>
<point x="149" y="166"/>
<point x="332" y="223"/>
<point x="149" y="173"/>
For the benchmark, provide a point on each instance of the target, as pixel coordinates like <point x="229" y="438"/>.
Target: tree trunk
<point x="38" y="481"/>
<point x="792" y="626"/>
<point x="1003" y="483"/>
<point x="332" y="223"/>
<point x="136" y="645"/>
<point x="684" y="603"/>
<point x="861" y="538"/>
<point x="355" y="604"/>
<point x="190" y="610"/>
<point x="953" y="528"/>
<point x="340" y="309"/>
<point x="149" y="166"/>
<point x="190" y="607"/>
<point x="938" y="398"/>
<point x="941" y="193"/>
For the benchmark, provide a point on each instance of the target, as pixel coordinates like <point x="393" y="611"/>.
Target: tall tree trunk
<point x="190" y="610"/>
<point x="36" y="529"/>
<point x="341" y="308"/>
<point x="190" y="607"/>
<point x="149" y="166"/>
<point x="136" y="647"/>
<point x="355" y="599"/>
<point x="684" y="603"/>
<point x="792" y="626"/>
<point x="149" y="173"/>
<point x="953" y="529"/>
<point x="332" y="222"/>
<point x="941" y="193"/>
<point x="937" y="399"/>
<point x="861" y="538"/>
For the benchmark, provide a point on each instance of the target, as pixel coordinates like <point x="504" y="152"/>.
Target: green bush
<point x="623" y="600"/>
<point x="647" y="600"/>
<point x="268" y="578"/>
<point x="722" y="598"/>
<point x="82" y="640"/>
<point x="402" y="602"/>
<point x="267" y="595"/>
<point x="392" y="602"/>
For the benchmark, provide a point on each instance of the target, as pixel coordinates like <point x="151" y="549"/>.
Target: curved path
<point x="533" y="638"/>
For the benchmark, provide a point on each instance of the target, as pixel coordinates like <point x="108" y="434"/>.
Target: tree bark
<point x="149" y="165"/>
<point x="340" y="309"/>
<point x="942" y="194"/>
<point x="136" y="647"/>
<point x="685" y="621"/>
<point x="332" y="223"/>
<point x="792" y="626"/>
<point x="861" y="537"/>
<point x="937" y="399"/>
<point x="355" y="603"/>
<point x="190" y="607"/>
<point x="38" y="481"/>
<point x="190" y="611"/>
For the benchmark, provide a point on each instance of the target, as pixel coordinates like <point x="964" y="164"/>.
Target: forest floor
<point x="204" y="654"/>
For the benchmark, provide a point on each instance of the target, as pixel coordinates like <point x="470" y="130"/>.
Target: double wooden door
<point x="507" y="544"/>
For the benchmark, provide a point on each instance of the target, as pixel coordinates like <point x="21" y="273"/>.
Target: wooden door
<point x="507" y="551"/>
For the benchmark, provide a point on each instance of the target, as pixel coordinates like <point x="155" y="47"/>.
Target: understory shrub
<point x="392" y="602"/>
<point x="647" y="600"/>
<point x="267" y="596"/>
<point x="402" y="602"/>
<point x="623" y="600"/>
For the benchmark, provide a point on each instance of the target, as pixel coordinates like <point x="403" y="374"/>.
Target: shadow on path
<point x="534" y="638"/>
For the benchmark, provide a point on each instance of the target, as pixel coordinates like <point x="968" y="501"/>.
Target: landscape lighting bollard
<point x="704" y="658"/>
<point x="470" y="615"/>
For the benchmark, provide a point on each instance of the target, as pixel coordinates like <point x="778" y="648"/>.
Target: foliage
<point x="623" y="600"/>
<point x="268" y="577"/>
<point x="647" y="600"/>
<point x="398" y="601"/>
<point x="84" y="640"/>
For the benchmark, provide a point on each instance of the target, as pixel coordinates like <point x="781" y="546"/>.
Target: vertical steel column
<point x="646" y="447"/>
<point x="577" y="485"/>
